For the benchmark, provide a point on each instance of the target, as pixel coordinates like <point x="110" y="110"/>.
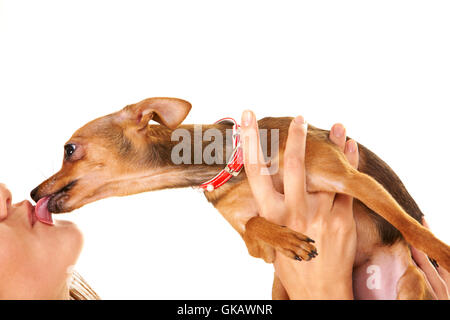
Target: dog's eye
<point x="69" y="149"/>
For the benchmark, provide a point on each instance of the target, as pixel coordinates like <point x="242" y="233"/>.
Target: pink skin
<point x="35" y="257"/>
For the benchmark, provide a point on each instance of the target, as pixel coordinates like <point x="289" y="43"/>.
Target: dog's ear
<point x="169" y="112"/>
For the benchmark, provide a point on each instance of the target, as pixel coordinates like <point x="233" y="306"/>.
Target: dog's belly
<point x="377" y="267"/>
<point x="377" y="277"/>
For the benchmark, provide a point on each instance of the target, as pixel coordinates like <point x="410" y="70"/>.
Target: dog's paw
<point x="260" y="233"/>
<point x="295" y="245"/>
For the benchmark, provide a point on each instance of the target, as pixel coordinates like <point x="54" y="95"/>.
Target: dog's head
<point x="115" y="155"/>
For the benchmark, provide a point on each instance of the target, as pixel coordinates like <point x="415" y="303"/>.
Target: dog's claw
<point x="434" y="263"/>
<point x="298" y="258"/>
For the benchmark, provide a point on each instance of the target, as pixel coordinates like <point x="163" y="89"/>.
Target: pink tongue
<point x="42" y="212"/>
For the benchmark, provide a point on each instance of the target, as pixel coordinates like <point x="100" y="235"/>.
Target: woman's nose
<point x="5" y="201"/>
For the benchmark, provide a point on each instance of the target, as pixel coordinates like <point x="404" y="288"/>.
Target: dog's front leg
<point x="263" y="236"/>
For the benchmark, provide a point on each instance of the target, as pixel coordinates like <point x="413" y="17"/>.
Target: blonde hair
<point x="80" y="290"/>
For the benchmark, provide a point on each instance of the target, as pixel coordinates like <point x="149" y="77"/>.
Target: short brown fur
<point x="120" y="154"/>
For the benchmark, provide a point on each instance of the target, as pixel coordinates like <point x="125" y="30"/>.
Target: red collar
<point x="234" y="165"/>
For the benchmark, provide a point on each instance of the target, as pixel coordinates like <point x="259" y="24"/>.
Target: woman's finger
<point x="5" y="201"/>
<point x="294" y="164"/>
<point x="445" y="275"/>
<point x="338" y="135"/>
<point x="255" y="167"/>
<point x="425" y="223"/>
<point x="436" y="282"/>
<point x="344" y="203"/>
<point x="351" y="153"/>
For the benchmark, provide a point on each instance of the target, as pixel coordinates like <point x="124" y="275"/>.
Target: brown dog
<point x="121" y="154"/>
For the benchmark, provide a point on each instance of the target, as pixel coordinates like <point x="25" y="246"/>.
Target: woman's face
<point x="35" y="258"/>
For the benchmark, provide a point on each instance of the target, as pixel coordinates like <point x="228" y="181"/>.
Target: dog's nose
<point x="34" y="193"/>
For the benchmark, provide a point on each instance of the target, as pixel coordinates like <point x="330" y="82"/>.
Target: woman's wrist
<point x="341" y="289"/>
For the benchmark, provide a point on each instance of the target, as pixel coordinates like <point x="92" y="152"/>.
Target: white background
<point x="380" y="67"/>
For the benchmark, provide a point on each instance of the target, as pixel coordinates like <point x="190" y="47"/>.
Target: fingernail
<point x="338" y="130"/>
<point x="247" y="117"/>
<point x="352" y="146"/>
<point x="301" y="121"/>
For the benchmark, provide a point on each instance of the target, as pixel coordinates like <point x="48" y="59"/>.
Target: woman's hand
<point x="325" y="217"/>
<point x="438" y="277"/>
